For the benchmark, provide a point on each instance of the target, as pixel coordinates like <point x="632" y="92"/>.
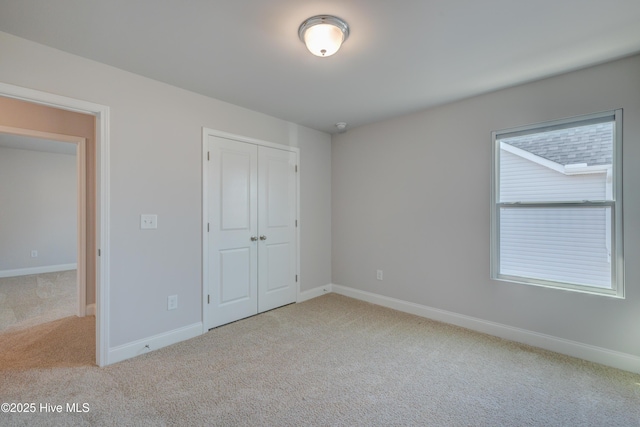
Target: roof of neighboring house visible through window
<point x="591" y="144"/>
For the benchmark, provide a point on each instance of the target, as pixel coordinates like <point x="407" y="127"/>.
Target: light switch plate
<point x="148" y="221"/>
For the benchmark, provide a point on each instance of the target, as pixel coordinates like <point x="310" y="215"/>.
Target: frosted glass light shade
<point x="323" y="34"/>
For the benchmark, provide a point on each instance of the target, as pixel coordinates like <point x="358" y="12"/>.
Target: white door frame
<point x="81" y="200"/>
<point x="101" y="114"/>
<point x="206" y="132"/>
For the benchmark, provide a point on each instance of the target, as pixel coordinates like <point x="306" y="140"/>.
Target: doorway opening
<point x="43" y="242"/>
<point x="97" y="180"/>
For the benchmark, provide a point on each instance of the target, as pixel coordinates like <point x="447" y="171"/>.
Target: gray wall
<point x="411" y="196"/>
<point x="315" y="206"/>
<point x="156" y="155"/>
<point x="38" y="200"/>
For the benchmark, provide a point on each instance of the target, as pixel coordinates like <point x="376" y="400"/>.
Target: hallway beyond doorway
<point x="26" y="301"/>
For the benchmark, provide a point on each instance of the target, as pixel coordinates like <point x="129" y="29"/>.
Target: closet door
<point x="252" y="240"/>
<point x="277" y="247"/>
<point x="233" y="231"/>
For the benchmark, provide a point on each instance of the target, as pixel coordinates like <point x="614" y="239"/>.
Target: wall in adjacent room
<point x="38" y="196"/>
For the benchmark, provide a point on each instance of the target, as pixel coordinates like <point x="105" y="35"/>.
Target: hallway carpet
<point x="30" y="300"/>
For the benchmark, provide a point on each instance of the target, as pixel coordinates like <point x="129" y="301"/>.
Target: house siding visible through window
<point x="554" y="205"/>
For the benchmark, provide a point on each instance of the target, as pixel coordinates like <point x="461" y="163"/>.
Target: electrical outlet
<point x="172" y="302"/>
<point x="148" y="221"/>
<point x="34" y="254"/>
<point x="379" y="274"/>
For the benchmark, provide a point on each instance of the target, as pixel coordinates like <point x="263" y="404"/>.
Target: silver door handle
<point x="263" y="237"/>
<point x="254" y="238"/>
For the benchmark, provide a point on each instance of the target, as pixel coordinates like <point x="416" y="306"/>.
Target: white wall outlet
<point x="379" y="274"/>
<point x="172" y="302"/>
<point x="34" y="254"/>
<point x="148" y="221"/>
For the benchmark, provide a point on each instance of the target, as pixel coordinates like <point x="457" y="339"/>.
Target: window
<point x="557" y="204"/>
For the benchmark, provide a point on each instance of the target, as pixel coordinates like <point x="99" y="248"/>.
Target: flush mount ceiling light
<point x="323" y="34"/>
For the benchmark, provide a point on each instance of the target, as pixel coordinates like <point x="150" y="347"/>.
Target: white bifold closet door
<point x="252" y="252"/>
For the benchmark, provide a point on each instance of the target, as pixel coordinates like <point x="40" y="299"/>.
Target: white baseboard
<point x="627" y="362"/>
<point x="313" y="293"/>
<point x="90" y="310"/>
<point x="136" y="348"/>
<point x="37" y="270"/>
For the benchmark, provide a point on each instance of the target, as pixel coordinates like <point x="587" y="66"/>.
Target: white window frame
<point x="617" y="259"/>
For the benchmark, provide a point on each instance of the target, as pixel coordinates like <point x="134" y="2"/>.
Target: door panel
<point x="277" y="205"/>
<point x="233" y="278"/>
<point x="235" y="190"/>
<point x="279" y="266"/>
<point x="277" y="191"/>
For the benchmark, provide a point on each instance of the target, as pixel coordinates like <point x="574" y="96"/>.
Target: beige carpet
<point x="61" y="343"/>
<point x="26" y="301"/>
<point x="331" y="361"/>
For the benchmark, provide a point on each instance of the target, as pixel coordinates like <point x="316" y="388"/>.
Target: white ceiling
<point x="36" y="144"/>
<point x="402" y="55"/>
